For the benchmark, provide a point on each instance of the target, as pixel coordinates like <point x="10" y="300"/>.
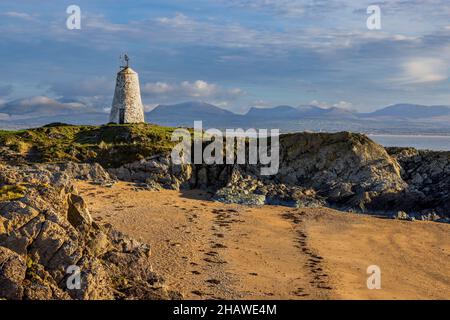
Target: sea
<point x="422" y="142"/>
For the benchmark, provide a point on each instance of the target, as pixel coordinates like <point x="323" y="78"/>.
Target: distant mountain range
<point x="410" y="111"/>
<point x="208" y="112"/>
<point x="398" y="118"/>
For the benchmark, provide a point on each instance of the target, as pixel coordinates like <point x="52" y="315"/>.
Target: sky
<point x="232" y="53"/>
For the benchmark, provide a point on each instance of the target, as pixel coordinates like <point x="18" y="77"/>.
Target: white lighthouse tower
<point x="127" y="104"/>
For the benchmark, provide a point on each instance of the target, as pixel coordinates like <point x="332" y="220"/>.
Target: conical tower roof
<point x="127" y="70"/>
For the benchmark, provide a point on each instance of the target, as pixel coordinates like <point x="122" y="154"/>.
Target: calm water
<point x="438" y="143"/>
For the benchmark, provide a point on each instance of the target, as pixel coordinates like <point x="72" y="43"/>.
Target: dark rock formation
<point x="427" y="174"/>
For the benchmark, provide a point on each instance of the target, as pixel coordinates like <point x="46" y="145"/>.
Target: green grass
<point x="110" y="145"/>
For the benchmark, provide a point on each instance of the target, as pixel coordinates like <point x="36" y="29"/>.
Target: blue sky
<point x="233" y="53"/>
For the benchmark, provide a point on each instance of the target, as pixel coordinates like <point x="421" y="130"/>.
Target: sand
<point x="210" y="250"/>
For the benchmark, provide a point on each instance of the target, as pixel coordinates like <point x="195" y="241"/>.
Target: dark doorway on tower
<point x="121" y="116"/>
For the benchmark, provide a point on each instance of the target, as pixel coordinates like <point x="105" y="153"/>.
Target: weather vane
<point x="125" y="59"/>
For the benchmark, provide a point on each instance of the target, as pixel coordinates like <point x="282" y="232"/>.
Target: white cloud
<point x="424" y="70"/>
<point x="19" y="15"/>
<point x="42" y="100"/>
<point x="99" y="22"/>
<point x="261" y="104"/>
<point x="344" y="105"/>
<point x="341" y="104"/>
<point x="157" y="88"/>
<point x="42" y="105"/>
<point x="177" y="21"/>
<point x="198" y="89"/>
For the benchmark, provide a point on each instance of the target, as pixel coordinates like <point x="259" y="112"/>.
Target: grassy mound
<point x="110" y="145"/>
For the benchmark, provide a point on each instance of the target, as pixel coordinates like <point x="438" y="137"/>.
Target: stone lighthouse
<point x="127" y="104"/>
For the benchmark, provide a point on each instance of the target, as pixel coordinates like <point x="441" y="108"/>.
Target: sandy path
<point x="210" y="250"/>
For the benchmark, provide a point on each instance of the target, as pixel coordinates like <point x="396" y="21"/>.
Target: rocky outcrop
<point x="92" y="172"/>
<point x="427" y="174"/>
<point x="47" y="235"/>
<point x="157" y="171"/>
<point x="343" y="169"/>
<point x="337" y="163"/>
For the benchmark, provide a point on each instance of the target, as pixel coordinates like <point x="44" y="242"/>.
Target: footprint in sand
<point x="215" y="260"/>
<point x="218" y="246"/>
<point x="213" y="281"/>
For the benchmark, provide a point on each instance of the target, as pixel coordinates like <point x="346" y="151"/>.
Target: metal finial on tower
<point x="125" y="59"/>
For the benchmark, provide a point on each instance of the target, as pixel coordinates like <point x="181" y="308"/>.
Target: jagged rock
<point x="99" y="244"/>
<point x="157" y="172"/>
<point x="48" y="242"/>
<point x="427" y="174"/>
<point x="12" y="273"/>
<point x="127" y="244"/>
<point x="17" y="213"/>
<point x="78" y="213"/>
<point x="84" y="171"/>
